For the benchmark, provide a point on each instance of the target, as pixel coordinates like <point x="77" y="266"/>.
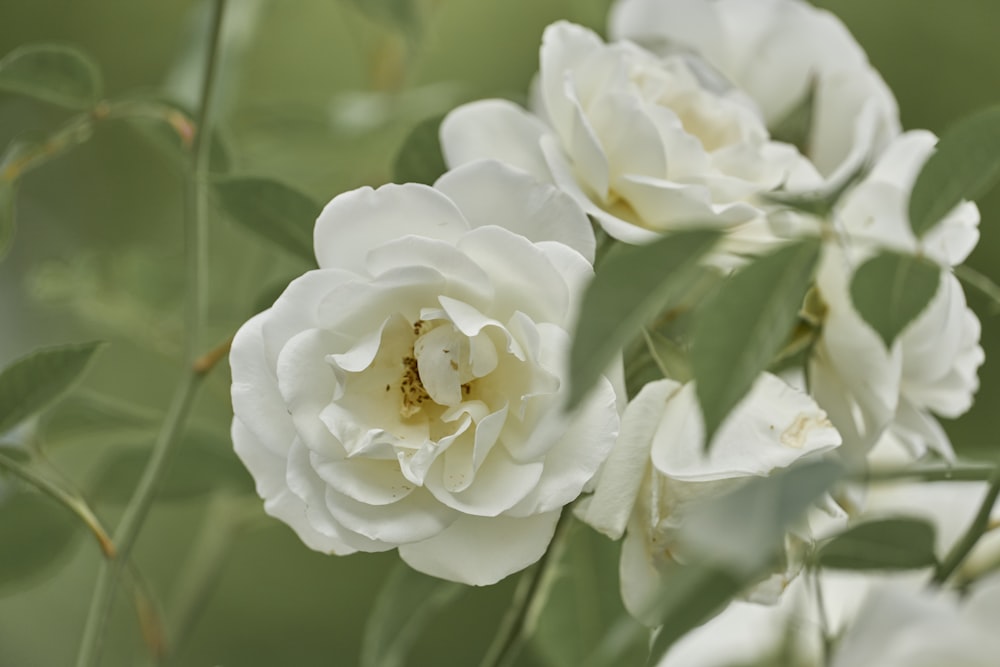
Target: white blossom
<point x="659" y="467"/>
<point x="409" y="392"/>
<point x="644" y="143"/>
<point x="785" y="54"/>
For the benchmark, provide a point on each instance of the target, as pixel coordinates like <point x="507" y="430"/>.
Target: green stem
<point x="971" y="472"/>
<point x="73" y="503"/>
<point x="524" y="606"/>
<point x="142" y="498"/>
<point x="965" y="545"/>
<point x="975" y="279"/>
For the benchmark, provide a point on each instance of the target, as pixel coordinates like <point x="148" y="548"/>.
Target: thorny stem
<point x="195" y="233"/>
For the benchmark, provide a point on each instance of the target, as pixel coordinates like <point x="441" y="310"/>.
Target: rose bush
<point x="408" y="393"/>
<point x="659" y="468"/>
<point x="644" y="143"/>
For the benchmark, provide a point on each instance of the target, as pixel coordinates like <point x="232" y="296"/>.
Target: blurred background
<point x="319" y="94"/>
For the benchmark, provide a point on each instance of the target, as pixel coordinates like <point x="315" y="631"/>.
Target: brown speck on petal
<point x="796" y="434"/>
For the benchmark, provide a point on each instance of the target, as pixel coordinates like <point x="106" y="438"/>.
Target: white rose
<point x="409" y="392"/>
<point x="932" y="366"/>
<point x="779" y="51"/>
<point x="659" y="467"/>
<point x="644" y="143"/>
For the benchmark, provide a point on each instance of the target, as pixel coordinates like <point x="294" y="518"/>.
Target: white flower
<point x="409" y="392"/>
<point x="903" y="628"/>
<point x="644" y="143"/>
<point x="779" y="52"/>
<point x="932" y="366"/>
<point x="659" y="467"/>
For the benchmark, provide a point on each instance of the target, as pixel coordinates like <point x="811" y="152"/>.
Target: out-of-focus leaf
<point x="633" y="284"/>
<point x="7" y="200"/>
<point x="99" y="419"/>
<point x="966" y="165"/>
<point x="200" y="466"/>
<point x="35" y="534"/>
<point x="733" y="541"/>
<point x="741" y="530"/>
<point x="419" y="159"/>
<point x="890" y="290"/>
<point x="690" y="595"/>
<point x="743" y="325"/>
<point x="35" y="381"/>
<point x="272" y="210"/>
<point x="584" y="606"/>
<point x="884" y="544"/>
<point x="54" y="73"/>
<point x="407" y="602"/>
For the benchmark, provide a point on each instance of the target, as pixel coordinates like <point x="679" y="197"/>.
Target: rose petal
<point x="494" y="129"/>
<point x="481" y="551"/>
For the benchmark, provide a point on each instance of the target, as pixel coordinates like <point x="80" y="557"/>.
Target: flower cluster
<point x="410" y="393"/>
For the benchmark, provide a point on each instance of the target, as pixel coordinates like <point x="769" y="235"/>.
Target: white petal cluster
<point x="787" y="56"/>
<point x="408" y="392"/>
<point x="644" y="143"/>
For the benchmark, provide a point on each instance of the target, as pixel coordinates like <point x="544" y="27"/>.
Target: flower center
<point x="437" y="369"/>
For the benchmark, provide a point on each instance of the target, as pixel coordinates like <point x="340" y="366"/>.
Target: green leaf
<point x="583" y="621"/>
<point x="884" y="544"/>
<point x="890" y="290"/>
<point x="200" y="466"/>
<point x="690" y="595"/>
<point x="734" y="541"/>
<point x="8" y="196"/>
<point x="32" y="383"/>
<point x="633" y="284"/>
<point x="35" y="534"/>
<point x="966" y="165"/>
<point x="419" y="159"/>
<point x="407" y="602"/>
<point x="272" y="210"/>
<point x="742" y="530"/>
<point x="53" y="73"/>
<point x="741" y="327"/>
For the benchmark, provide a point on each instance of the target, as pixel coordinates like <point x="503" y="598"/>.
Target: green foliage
<point x="406" y="604"/>
<point x="583" y="622"/>
<point x="200" y="466"/>
<point x="965" y="165"/>
<point x="419" y="159"/>
<point x="35" y="534"/>
<point x="890" y="290"/>
<point x="37" y="380"/>
<point x="53" y="73"/>
<point x="884" y="544"/>
<point x="741" y="327"/>
<point x="272" y="210"/>
<point x="632" y="285"/>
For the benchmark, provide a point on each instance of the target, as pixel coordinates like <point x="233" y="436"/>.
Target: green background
<point x="320" y="95"/>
